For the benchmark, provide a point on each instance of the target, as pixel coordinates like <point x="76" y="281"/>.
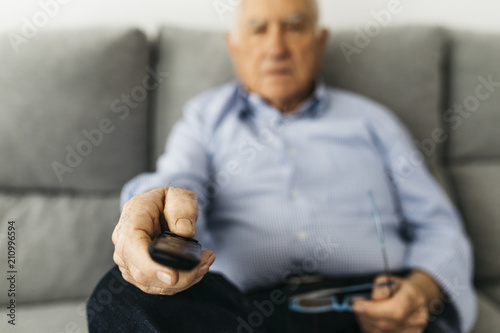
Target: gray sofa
<point x="81" y="112"/>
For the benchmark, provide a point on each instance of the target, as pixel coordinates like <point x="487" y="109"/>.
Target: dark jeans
<point x="213" y="305"/>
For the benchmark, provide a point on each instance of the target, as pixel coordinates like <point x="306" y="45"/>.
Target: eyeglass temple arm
<point x="380" y="231"/>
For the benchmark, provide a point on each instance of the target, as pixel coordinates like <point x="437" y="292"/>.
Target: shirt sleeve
<point x="184" y="164"/>
<point x="437" y="241"/>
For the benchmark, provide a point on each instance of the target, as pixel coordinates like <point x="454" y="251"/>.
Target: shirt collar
<point x="309" y="108"/>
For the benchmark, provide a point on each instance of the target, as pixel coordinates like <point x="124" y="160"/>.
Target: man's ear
<point x="323" y="36"/>
<point x="229" y="39"/>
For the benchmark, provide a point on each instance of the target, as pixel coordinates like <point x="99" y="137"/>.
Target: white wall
<point x="149" y="14"/>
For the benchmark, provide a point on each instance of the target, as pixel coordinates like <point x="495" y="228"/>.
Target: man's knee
<point x="108" y="297"/>
<point x="115" y="303"/>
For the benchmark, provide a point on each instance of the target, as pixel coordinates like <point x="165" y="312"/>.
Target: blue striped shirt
<point x="283" y="194"/>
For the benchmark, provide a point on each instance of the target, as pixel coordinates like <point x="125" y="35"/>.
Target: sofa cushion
<point x="53" y="317"/>
<point x="195" y="61"/>
<point x="64" y="121"/>
<point x="399" y="68"/>
<point x="63" y="243"/>
<point x="474" y="147"/>
<point x="478" y="189"/>
<point x="198" y="61"/>
<point x="488" y="319"/>
<point x="475" y="96"/>
<point x="492" y="289"/>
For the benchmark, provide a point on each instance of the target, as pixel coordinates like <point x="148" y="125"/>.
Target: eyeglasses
<point x="340" y="299"/>
<point x="333" y="299"/>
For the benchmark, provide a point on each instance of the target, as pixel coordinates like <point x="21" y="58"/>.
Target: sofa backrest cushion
<point x="195" y="61"/>
<point x="72" y="109"/>
<point x="473" y="117"/>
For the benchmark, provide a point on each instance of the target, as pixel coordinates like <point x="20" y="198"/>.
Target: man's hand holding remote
<point x="139" y="224"/>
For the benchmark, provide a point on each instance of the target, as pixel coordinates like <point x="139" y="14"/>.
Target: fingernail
<point x="164" y="277"/>
<point x="184" y="226"/>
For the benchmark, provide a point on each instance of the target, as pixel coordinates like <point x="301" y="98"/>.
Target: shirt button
<point x="302" y="235"/>
<point x="294" y="193"/>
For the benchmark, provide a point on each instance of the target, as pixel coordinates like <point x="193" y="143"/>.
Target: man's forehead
<point x="292" y="18"/>
<point x="285" y="10"/>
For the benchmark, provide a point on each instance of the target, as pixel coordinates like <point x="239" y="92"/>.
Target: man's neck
<point x="291" y="104"/>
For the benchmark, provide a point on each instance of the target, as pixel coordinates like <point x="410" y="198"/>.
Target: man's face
<point x="277" y="49"/>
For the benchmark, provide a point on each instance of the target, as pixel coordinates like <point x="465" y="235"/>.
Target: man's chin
<point x="279" y="90"/>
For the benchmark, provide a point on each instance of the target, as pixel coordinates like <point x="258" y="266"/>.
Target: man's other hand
<point x="139" y="224"/>
<point x="406" y="311"/>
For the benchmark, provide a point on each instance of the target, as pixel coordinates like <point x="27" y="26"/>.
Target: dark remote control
<point x="175" y="251"/>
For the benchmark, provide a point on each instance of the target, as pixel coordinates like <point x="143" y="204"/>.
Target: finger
<point x="380" y="325"/>
<point x="380" y="310"/>
<point x="181" y="280"/>
<point x="416" y="323"/>
<point x="365" y="327"/>
<point x="200" y="273"/>
<point x="147" y="288"/>
<point x="181" y="211"/>
<point x="384" y="292"/>
<point x="144" y="212"/>
<point x="116" y="231"/>
<point x="128" y="277"/>
<point x="412" y="330"/>
<point x="142" y="268"/>
<point x="118" y="260"/>
<point x="210" y="258"/>
<point x="420" y="318"/>
<point x="187" y="278"/>
<point x="398" y="308"/>
<point x="139" y="223"/>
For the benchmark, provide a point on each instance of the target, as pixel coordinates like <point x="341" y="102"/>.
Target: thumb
<point x="181" y="211"/>
<point x="383" y="292"/>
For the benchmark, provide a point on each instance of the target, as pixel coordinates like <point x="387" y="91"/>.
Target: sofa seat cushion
<point x="63" y="243"/>
<point x="488" y="319"/>
<point x="492" y="289"/>
<point x="49" y="317"/>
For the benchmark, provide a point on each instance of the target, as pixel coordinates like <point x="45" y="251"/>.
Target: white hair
<point x="235" y="16"/>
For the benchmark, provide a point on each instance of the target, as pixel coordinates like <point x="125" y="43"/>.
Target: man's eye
<point x="259" y="30"/>
<point x="295" y="27"/>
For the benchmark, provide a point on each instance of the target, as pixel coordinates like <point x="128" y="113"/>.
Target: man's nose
<point x="276" y="44"/>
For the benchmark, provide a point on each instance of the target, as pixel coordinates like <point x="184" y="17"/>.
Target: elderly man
<point x="273" y="171"/>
